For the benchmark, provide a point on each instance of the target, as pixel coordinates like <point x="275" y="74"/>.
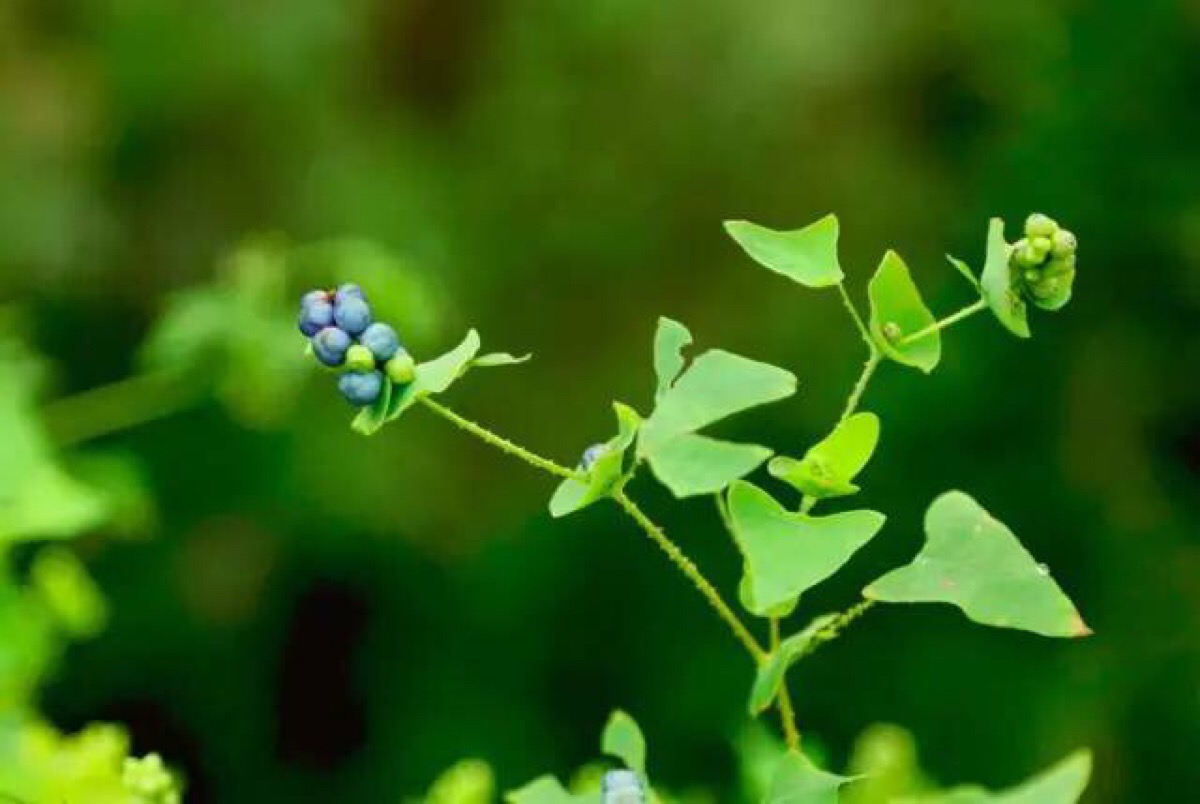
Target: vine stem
<point x="835" y="628"/>
<point x="117" y="406"/>
<point x="848" y="303"/>
<point x="950" y="320"/>
<point x="868" y="371"/>
<point x="652" y="530"/>
<point x="787" y="712"/>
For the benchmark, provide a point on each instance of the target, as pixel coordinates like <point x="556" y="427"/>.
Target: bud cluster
<point x="344" y="336"/>
<point x="1043" y="262"/>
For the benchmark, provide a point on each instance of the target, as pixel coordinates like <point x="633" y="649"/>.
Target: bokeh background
<point x="302" y="614"/>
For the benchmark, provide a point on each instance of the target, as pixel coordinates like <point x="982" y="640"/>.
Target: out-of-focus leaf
<point x="1064" y="783"/>
<point x="1000" y="291"/>
<point x="829" y="467"/>
<point x="543" y="790"/>
<point x="69" y="592"/>
<point x="897" y="310"/>
<point x="770" y="674"/>
<point x="787" y="553"/>
<point x="886" y="763"/>
<point x="623" y="739"/>
<point x="974" y="562"/>
<point x="798" y="781"/>
<point x="470" y="781"/>
<point x="808" y="256"/>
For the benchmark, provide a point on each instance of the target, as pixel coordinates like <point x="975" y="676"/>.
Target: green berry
<point x="892" y="331"/>
<point x="1032" y="276"/>
<point x="400" y="369"/>
<point x="1039" y="225"/>
<point x="359" y="358"/>
<point x="1041" y="244"/>
<point x="1063" y="244"/>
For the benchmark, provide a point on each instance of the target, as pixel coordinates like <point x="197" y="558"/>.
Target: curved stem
<point x="685" y="565"/>
<point x="501" y="443"/>
<point x="950" y="320"/>
<point x="108" y="409"/>
<point x="848" y="303"/>
<point x="787" y="712"/>
<point x="860" y="387"/>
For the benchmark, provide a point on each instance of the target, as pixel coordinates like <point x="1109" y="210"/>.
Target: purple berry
<point x="330" y="346"/>
<point x="381" y="340"/>
<point x="361" y="388"/>
<point x="347" y="291"/>
<point x="352" y="314"/>
<point x="315" y="315"/>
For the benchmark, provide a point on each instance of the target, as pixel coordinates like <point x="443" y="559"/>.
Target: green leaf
<point x="897" y="310"/>
<point x="542" y="790"/>
<point x="670" y="340"/>
<point x="788" y="553"/>
<point x="973" y="561"/>
<point x="64" y="585"/>
<point x="808" y="256"/>
<point x="572" y="495"/>
<point x="829" y="467"/>
<point x="499" y="359"/>
<point x="768" y="679"/>
<point x="469" y="781"/>
<point x="798" y="781"/>
<point x="1063" y="783"/>
<point x="371" y="418"/>
<point x="965" y="270"/>
<point x="692" y="464"/>
<point x="717" y="384"/>
<point x="1000" y="289"/>
<point x="624" y="740"/>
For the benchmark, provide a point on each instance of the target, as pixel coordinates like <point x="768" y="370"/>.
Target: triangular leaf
<point x="973" y="561"/>
<point x="808" y="256"/>
<point x="787" y="553"/>
<point x="623" y="739"/>
<point x="572" y="495"/>
<point x="1064" y="783"/>
<point x="798" y="781"/>
<point x="999" y="286"/>
<point x="670" y="340"/>
<point x="770" y="674"/>
<point x="829" y="467"/>
<point x="692" y="464"/>
<point x="716" y="385"/>
<point x="897" y="310"/>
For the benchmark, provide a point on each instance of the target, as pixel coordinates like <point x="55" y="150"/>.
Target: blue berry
<point x="330" y="345"/>
<point x="316" y="296"/>
<point x="349" y="290"/>
<point x="361" y="388"/>
<point x="315" y="315"/>
<point x="381" y="340"/>
<point x="623" y="787"/>
<point x="591" y="455"/>
<point x="352" y="314"/>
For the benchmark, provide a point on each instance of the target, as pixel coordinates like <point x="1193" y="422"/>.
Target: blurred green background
<point x="307" y="615"/>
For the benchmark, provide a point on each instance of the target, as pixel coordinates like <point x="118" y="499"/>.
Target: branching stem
<point x="950" y="320"/>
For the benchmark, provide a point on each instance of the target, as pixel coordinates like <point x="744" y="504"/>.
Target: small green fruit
<point x="1039" y="225"/>
<point x="359" y="358"/>
<point x="1041" y="244"/>
<point x="400" y="369"/>
<point x="1064" y="244"/>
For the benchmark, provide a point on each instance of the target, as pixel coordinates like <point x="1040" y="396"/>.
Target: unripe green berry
<point x="400" y="369"/>
<point x="1064" y="243"/>
<point x="359" y="358"/>
<point x="892" y="331"/>
<point x="1032" y="276"/>
<point x="1041" y="244"/>
<point x="1039" y="225"/>
<point x="1029" y="257"/>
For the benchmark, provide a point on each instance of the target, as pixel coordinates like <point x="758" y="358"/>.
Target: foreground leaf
<point x="808" y="256"/>
<point x="573" y="495"/>
<point x="670" y="340"/>
<point x="768" y="679"/>
<point x="1062" y="784"/>
<point x="829" y="467"/>
<point x="973" y="561"/>
<point x="692" y="464"/>
<point x="788" y="553"/>
<point x="623" y="739"/>
<point x="999" y="287"/>
<point x="897" y="310"/>
<point x="798" y="781"/>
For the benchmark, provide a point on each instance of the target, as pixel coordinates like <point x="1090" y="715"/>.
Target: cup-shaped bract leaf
<point x="603" y="475"/>
<point x="897" y="311"/>
<point x="974" y="562"/>
<point x="623" y="739"/>
<point x="770" y="674"/>
<point x="1063" y="783"/>
<point x="788" y="553"/>
<point x="828" y="468"/>
<point x="542" y="790"/>
<point x="798" y="781"/>
<point x="691" y="464"/>
<point x="808" y="256"/>
<point x="717" y="384"/>
<point x="670" y="339"/>
<point x="1001" y="289"/>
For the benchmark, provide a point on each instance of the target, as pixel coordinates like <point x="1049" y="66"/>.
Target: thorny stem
<point x="117" y="406"/>
<point x="787" y="712"/>
<point x="652" y="530"/>
<point x="854" y="314"/>
<point x="868" y="370"/>
<point x="835" y="628"/>
<point x="949" y="320"/>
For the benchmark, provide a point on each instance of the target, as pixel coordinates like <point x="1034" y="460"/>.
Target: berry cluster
<point x="1043" y="262"/>
<point x="345" y="337"/>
